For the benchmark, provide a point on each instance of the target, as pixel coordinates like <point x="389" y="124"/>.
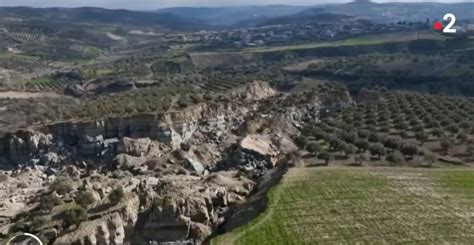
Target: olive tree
<point x="377" y="150"/>
<point x="327" y="157"/>
<point x="409" y="150"/>
<point x="446" y="144"/>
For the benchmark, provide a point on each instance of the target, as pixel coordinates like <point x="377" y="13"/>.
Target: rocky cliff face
<point x="170" y="128"/>
<point x="193" y="207"/>
<point x="90" y="137"/>
<point x="311" y="104"/>
<point x="182" y="173"/>
<point x="156" y="126"/>
<point x="24" y="144"/>
<point x="255" y="91"/>
<point x="111" y="228"/>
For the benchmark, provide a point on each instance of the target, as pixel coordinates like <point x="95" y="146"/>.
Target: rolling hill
<point x="234" y="15"/>
<point x="100" y="15"/>
<point x="316" y="16"/>
<point x="284" y="14"/>
<point x="392" y="11"/>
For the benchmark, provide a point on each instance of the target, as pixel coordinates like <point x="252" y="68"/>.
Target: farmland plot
<point x="377" y="205"/>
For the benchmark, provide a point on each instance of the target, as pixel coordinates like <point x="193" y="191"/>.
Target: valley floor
<point x="364" y="205"/>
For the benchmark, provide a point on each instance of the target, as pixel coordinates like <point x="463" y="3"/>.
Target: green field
<point x="361" y="40"/>
<point x="25" y="57"/>
<point x="364" y="206"/>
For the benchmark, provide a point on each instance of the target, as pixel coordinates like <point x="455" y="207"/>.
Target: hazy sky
<point x="155" y="4"/>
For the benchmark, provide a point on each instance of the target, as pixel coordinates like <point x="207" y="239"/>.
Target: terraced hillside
<point x="413" y="42"/>
<point x="378" y="205"/>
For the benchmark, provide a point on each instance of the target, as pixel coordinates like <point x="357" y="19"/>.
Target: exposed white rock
<point x="195" y="165"/>
<point x="127" y="162"/>
<point x="50" y="158"/>
<point x="260" y="145"/>
<point x="134" y="147"/>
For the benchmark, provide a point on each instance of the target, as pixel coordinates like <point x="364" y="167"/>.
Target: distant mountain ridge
<point x="233" y="15"/>
<point x="199" y="18"/>
<point x="318" y="16"/>
<point x="396" y="11"/>
<point x="101" y="15"/>
<point x="274" y="14"/>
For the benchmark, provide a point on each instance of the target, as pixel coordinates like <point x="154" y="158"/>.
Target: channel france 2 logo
<point x="437" y="25"/>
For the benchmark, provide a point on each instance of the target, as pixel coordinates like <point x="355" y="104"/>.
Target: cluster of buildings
<point x="282" y="34"/>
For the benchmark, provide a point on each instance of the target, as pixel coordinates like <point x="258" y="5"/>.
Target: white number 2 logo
<point x="448" y="28"/>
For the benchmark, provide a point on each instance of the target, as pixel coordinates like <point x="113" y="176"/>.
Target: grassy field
<point x="365" y="206"/>
<point x="362" y="40"/>
<point x="25" y="57"/>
